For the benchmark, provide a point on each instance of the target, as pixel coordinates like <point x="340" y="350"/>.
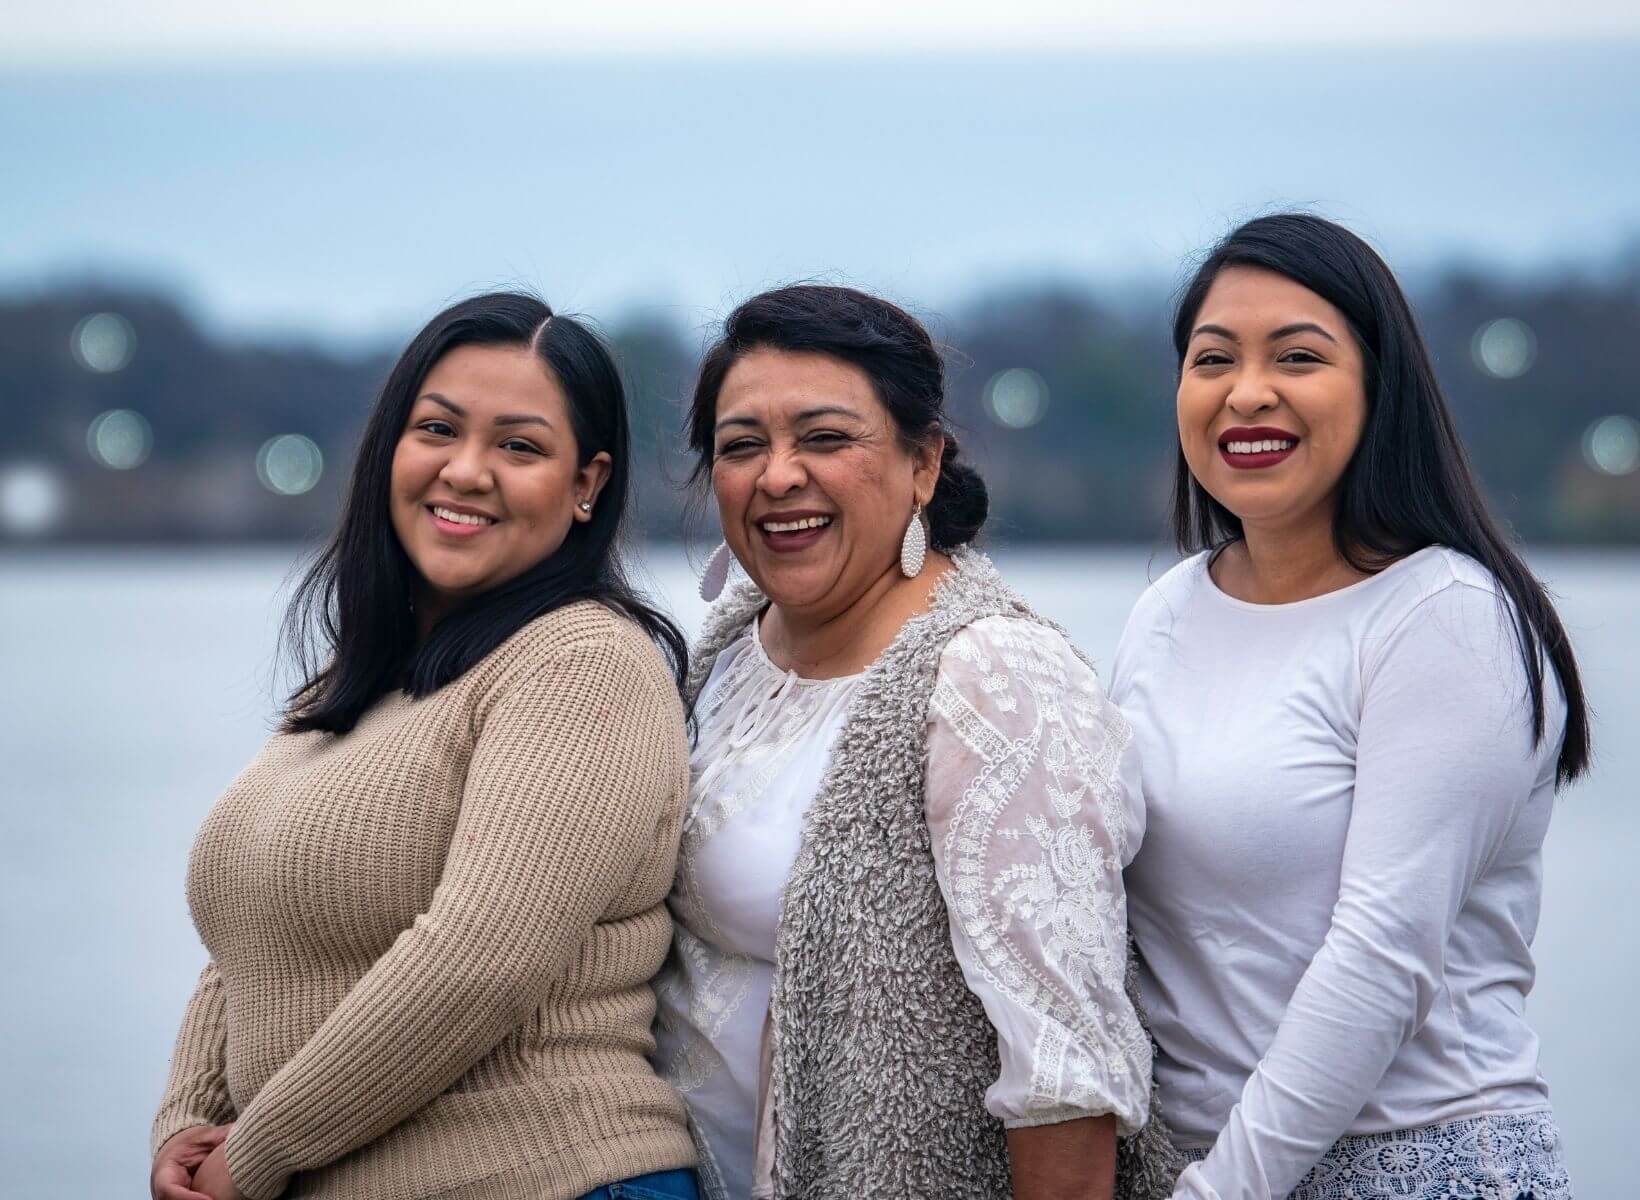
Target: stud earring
<point x="914" y="546"/>
<point x="585" y="506"/>
<point x="716" y="573"/>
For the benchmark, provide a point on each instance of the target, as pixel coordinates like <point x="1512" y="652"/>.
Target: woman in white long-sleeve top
<point x="1353" y="708"/>
<point x="901" y="953"/>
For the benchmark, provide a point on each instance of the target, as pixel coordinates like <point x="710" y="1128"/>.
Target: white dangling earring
<point x="716" y="573"/>
<point x="914" y="547"/>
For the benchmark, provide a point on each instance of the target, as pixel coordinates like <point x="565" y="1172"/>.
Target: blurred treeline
<point x="1095" y="466"/>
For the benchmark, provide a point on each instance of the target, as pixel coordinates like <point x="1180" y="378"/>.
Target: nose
<point x="1251" y="394"/>
<point x="783" y="473"/>
<point x="466" y="470"/>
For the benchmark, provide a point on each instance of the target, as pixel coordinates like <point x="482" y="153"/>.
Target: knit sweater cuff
<point x="183" y="1111"/>
<point x="255" y="1164"/>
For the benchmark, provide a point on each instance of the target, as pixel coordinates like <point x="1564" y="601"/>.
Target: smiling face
<point x="1272" y="399"/>
<point x="814" y="486"/>
<point x="485" y="483"/>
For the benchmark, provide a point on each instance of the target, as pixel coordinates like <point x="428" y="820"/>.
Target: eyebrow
<point x="827" y="410"/>
<point x="1275" y="334"/>
<point x="808" y="414"/>
<point x="1301" y="327"/>
<point x="504" y="419"/>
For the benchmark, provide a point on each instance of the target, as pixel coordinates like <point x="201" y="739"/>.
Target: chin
<point x="457" y="585"/>
<point x="1263" y="513"/>
<point x="1255" y="498"/>
<point x="457" y="592"/>
<point x="795" y="589"/>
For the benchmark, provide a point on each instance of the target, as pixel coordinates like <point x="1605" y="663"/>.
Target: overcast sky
<point x="332" y="172"/>
<point x="78" y="31"/>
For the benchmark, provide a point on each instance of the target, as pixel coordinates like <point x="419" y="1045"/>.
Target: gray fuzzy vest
<point x="881" y="1054"/>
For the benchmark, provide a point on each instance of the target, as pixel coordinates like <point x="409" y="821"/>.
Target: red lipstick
<point x="1255" y="447"/>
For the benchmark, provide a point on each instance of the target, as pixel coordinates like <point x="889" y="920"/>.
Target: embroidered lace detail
<point x="1501" y="1156"/>
<point x="752" y="719"/>
<point x="1031" y="853"/>
<point x="710" y="988"/>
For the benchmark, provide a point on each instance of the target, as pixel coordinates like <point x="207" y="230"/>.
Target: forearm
<point x="1340" y="1034"/>
<point x="453" y="985"/>
<point x="1073" y="1160"/>
<point x="196" y="1089"/>
<point x="427" y="1011"/>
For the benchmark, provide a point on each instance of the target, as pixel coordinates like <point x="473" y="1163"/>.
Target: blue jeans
<point x="661" y="1185"/>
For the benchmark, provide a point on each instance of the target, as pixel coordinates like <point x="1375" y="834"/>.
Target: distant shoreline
<point x="64" y="548"/>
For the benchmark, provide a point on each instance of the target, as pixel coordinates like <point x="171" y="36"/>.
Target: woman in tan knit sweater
<point x="435" y="900"/>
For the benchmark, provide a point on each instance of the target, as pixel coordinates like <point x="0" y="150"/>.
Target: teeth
<point x="456" y="518"/>
<point x="1260" y="447"/>
<point x="794" y="526"/>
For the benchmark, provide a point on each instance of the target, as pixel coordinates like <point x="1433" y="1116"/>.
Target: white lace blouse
<point x="1033" y="807"/>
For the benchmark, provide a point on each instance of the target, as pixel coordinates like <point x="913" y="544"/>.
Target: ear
<point x="589" y="481"/>
<point x="925" y="469"/>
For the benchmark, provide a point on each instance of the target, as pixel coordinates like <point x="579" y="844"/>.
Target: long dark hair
<point x="350" y="627"/>
<point x="1409" y="483"/>
<point x="882" y="340"/>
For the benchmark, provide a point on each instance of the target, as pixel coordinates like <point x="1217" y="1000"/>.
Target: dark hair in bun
<point x="881" y="339"/>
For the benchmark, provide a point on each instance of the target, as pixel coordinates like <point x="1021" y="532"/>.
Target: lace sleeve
<point x="1033" y="809"/>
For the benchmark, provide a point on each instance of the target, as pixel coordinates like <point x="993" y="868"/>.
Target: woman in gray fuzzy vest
<point x="901" y="964"/>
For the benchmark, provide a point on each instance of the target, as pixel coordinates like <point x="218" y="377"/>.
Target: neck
<point x="429" y="609"/>
<point x="1281" y="563"/>
<point x="824" y="643"/>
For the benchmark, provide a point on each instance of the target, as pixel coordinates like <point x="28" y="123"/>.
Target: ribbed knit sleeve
<point x="549" y="831"/>
<point x="196" y="1093"/>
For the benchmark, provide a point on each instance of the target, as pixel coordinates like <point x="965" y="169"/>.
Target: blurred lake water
<point x="137" y="683"/>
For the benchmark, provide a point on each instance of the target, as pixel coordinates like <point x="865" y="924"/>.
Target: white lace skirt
<point x="1501" y="1156"/>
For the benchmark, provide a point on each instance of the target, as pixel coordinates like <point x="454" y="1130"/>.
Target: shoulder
<point x="1004" y="634"/>
<point x="1442" y="611"/>
<point x="1434" y="570"/>
<point x="1003" y="652"/>
<point x="1161" y="604"/>
<point x="727" y="622"/>
<point x="1171" y="593"/>
<point x="1434" y="586"/>
<point x="731" y="659"/>
<point x="583" y="623"/>
<point x="598" y="646"/>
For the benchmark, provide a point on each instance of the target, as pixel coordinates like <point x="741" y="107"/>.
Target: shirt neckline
<point x="802" y="680"/>
<point x="1309" y="601"/>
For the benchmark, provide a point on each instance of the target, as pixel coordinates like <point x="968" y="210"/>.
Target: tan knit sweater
<point x="432" y="937"/>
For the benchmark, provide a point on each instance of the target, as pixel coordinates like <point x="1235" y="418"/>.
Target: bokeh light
<point x="1505" y="348"/>
<point x="103" y="342"/>
<point x="31" y="498"/>
<point x="289" y="464"/>
<point x="1016" y="398"/>
<point x="120" y="439"/>
<point x="1612" y="445"/>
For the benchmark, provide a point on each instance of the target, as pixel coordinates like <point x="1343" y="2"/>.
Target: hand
<point x="212" y="1177"/>
<point x="173" y="1175"/>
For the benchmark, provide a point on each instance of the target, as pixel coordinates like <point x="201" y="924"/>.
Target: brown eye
<point x="437" y="428"/>
<point x="1212" y="358"/>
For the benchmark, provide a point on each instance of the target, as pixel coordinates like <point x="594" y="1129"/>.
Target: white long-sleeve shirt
<point x="1033" y="808"/>
<point x="1340" y="880"/>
